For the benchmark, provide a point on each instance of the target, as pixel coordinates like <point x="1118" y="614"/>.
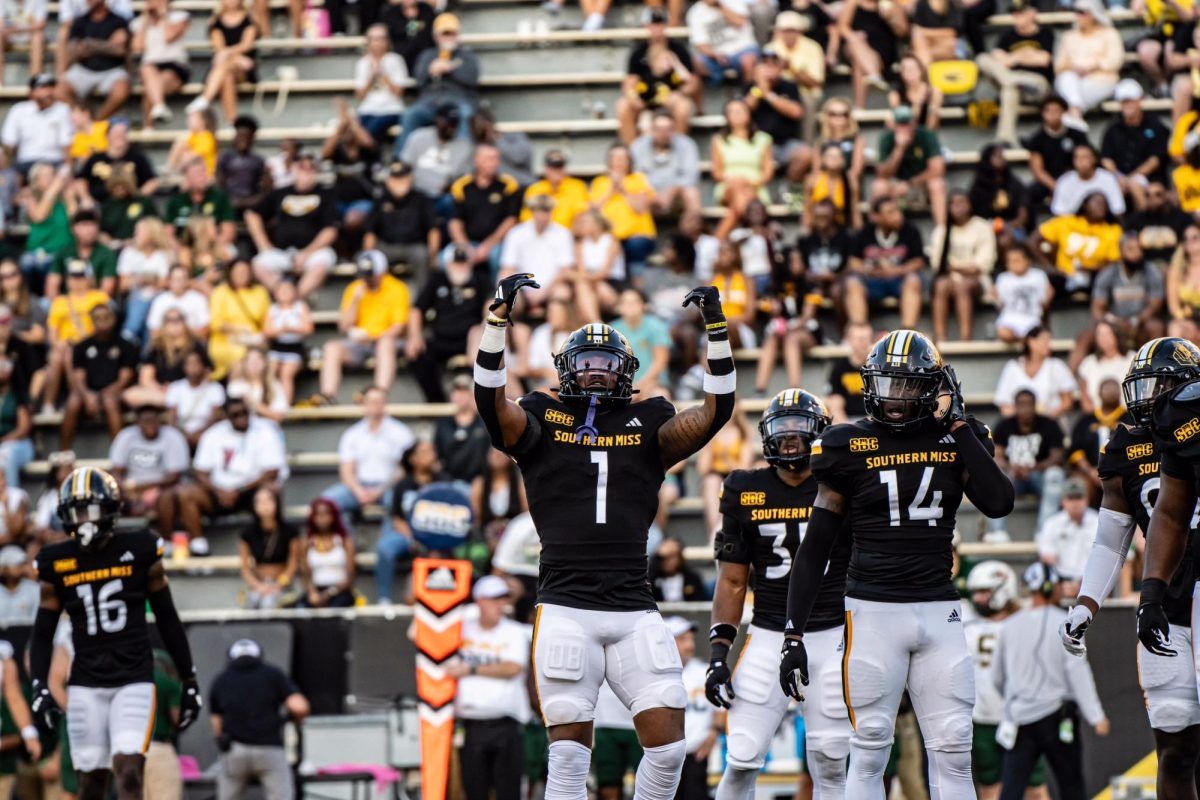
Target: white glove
<point x="1074" y="628"/>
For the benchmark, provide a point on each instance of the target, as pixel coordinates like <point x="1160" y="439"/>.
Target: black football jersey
<point x="764" y="521"/>
<point x="1131" y="455"/>
<point x="903" y="491"/>
<point x="593" y="497"/>
<point x="104" y="594"/>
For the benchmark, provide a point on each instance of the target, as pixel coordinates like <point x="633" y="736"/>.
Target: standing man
<point x="492" y="704"/>
<point x="247" y="700"/>
<point x="765" y="514"/>
<point x="702" y="724"/>
<point x="597" y="618"/>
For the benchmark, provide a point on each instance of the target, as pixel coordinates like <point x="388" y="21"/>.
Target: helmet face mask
<point x="792" y="421"/>
<point x="89" y="504"/>
<point x="596" y="363"/>
<point x="902" y="380"/>
<point x="1160" y="366"/>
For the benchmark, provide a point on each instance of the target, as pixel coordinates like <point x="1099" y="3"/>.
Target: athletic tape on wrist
<point x="491" y="378"/>
<point x="719" y="349"/>
<point x="493" y="339"/>
<point x="720" y="384"/>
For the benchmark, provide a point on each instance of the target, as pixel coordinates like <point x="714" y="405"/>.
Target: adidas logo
<point x="440" y="580"/>
<point x="127" y="556"/>
<point x="634" y="423"/>
<point x="947" y="439"/>
<point x="954" y="616"/>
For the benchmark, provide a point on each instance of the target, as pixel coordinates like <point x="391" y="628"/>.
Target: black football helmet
<point x="596" y="361"/>
<point x="1159" y="366"/>
<point x="793" y="419"/>
<point x="89" y="503"/>
<point x="902" y="378"/>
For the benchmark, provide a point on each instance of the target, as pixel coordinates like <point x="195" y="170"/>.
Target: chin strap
<point x="588" y="427"/>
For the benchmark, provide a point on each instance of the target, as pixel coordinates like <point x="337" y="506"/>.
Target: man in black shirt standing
<point x="886" y="260"/>
<point x="247" y="698"/>
<point x="486" y="204"/>
<point x="1029" y="448"/>
<point x="102" y="368"/>
<point x="1135" y="146"/>
<point x="403" y="226"/>
<point x="1051" y="150"/>
<point x="1022" y="59"/>
<point x="826" y="249"/>
<point x="241" y="172"/>
<point x="776" y="108"/>
<point x="97" y="46"/>
<point x="445" y="310"/>
<point x="119" y="156"/>
<point x="461" y="439"/>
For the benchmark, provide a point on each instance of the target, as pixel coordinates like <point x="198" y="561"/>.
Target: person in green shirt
<point x="101" y="261"/>
<point x="649" y="337"/>
<point x="121" y="210"/>
<point x="162" y="778"/>
<point x="911" y="162"/>
<point x="198" y="196"/>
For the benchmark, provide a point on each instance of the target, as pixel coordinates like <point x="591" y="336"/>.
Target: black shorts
<point x="182" y="71"/>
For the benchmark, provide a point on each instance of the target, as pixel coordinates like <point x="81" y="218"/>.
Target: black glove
<point x="708" y="300"/>
<point x="1153" y="629"/>
<point x="45" y="708"/>
<point x="793" y="662"/>
<point x="953" y="387"/>
<point x="719" y="677"/>
<point x="507" y="290"/>
<point x="190" y="703"/>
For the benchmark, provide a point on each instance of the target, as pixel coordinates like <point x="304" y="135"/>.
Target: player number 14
<point x="918" y="511"/>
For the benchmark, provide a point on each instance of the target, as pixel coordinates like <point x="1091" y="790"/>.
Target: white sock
<point x="567" y="771"/>
<point x="737" y="784"/>
<point x="658" y="774"/>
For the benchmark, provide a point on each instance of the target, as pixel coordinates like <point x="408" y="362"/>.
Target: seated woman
<point x="831" y="181"/>
<point x="1183" y="278"/>
<point x="739" y="296"/>
<point x="238" y="312"/>
<point x="232" y="33"/>
<point x="871" y="31"/>
<point x="963" y="256"/>
<point x="623" y="197"/>
<point x="163" y="364"/>
<point x="269" y="554"/>
<point x="914" y="90"/>
<point x="742" y="164"/>
<point x="1088" y="61"/>
<point x="328" y="564"/>
<point x="996" y="192"/>
<point x="142" y="274"/>
<point x="251" y="379"/>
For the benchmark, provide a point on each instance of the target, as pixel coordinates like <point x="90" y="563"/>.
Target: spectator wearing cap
<point x="540" y="246"/>
<point x="372" y="317"/>
<point x="122" y="210"/>
<point x="119" y="156"/>
<point x="380" y="77"/>
<point x="1065" y="539"/>
<point x="776" y="108"/>
<point x="438" y="156"/>
<point x="18" y="592"/>
<point x="1135" y="145"/>
<point x="671" y="163"/>
<point x="911" y="163"/>
<point x="102" y="368"/>
<point x="450" y="302"/>
<point x="492" y="704"/>
<point x="448" y="72"/>
<point x="1088" y="60"/>
<point x="486" y="204"/>
<point x="294" y="230"/>
<point x="1021" y="65"/>
<point x="722" y="37"/>
<point x="38" y="129"/>
<point x="803" y="63"/>
<point x="570" y="194"/>
<point x="99" y="261"/>
<point x="403" y="225"/>
<point x="148" y="461"/>
<point x="250" y="701"/>
<point x="199" y="197"/>
<point x="24" y="26"/>
<point x="658" y="78"/>
<point x="98" y="47"/>
<point x="241" y="172"/>
<point x="703" y="724"/>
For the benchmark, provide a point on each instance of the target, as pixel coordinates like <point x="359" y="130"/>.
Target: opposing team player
<point x="103" y="580"/>
<point x="765" y="513"/>
<point x="900" y="475"/>
<point x="1129" y="469"/>
<point x="592" y="461"/>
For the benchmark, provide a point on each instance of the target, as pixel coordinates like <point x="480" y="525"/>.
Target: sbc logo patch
<point x="753" y="498"/>
<point x="1136" y="451"/>
<point x="1187" y="430"/>
<point x="863" y="444"/>
<point x="65" y="565"/>
<point x="557" y="417"/>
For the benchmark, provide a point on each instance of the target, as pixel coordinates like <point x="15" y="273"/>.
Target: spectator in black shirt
<point x="1051" y="150"/>
<point x="671" y="579"/>
<point x="98" y="45"/>
<point x="1021" y="64"/>
<point x="294" y="230"/>
<point x="825" y="250"/>
<point x="1159" y="226"/>
<point x="461" y="439"/>
<point x="241" y="172"/>
<point x="776" y="108"/>
<point x="268" y="552"/>
<point x="410" y="27"/>
<point x="997" y="192"/>
<point x="119" y="156"/>
<point x="353" y="153"/>
<point x="886" y="260"/>
<point x="486" y="204"/>
<point x="1135" y="145"/>
<point x="403" y="226"/>
<point x="1029" y="448"/>
<point x="658" y="76"/>
<point x="448" y="305"/>
<point x="102" y="367"/>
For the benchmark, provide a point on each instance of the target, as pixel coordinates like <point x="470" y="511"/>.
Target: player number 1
<point x="600" y="459"/>
<point x="102" y="608"/>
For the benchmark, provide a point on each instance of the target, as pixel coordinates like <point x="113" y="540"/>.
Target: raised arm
<point x="507" y="423"/>
<point x="688" y="431"/>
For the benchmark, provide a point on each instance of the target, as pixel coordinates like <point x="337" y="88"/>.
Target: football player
<point x="1129" y="468"/>
<point x="765" y="512"/>
<point x="104" y="580"/>
<point x="593" y="461"/>
<point x="899" y="475"/>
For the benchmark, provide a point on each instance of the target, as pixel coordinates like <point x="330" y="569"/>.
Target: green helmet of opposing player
<point x="902" y="378"/>
<point x="1159" y="366"/>
<point x="793" y="419"/>
<point x="596" y="362"/>
<point x="89" y="503"/>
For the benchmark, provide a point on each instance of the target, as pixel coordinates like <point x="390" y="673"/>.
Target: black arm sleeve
<point x="809" y="567"/>
<point x="41" y="644"/>
<point x="170" y="627"/>
<point x="987" y="486"/>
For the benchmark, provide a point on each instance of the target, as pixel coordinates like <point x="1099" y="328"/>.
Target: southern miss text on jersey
<point x="104" y="594"/>
<point x="764" y="520"/>
<point x="593" y="497"/>
<point x="902" y="492"/>
<point x="1131" y="455"/>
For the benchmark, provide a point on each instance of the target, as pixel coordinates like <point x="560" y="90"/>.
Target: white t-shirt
<point x="379" y="99"/>
<point x="193" y="304"/>
<point x="15" y="499"/>
<point x="254" y="393"/>
<point x="134" y="263"/>
<point x="519" y="550"/>
<point x="1070" y="190"/>
<point x="482" y="697"/>
<point x="1020" y="298"/>
<point x="543" y="346"/>
<point x="19" y="13"/>
<point x="375" y="453"/>
<point x="594" y="253"/>
<point x="707" y="26"/>
<point x="1047" y="385"/>
<point x="37" y="134"/>
<point x="698" y="716"/>
<point x="18" y="607"/>
<point x="707" y="249"/>
<point x="756" y="256"/>
<point x="1068" y="542"/>
<point x="157" y="49"/>
<point x="545" y="254"/>
<point x="147" y="460"/>
<point x="1094" y="371"/>
<point x="981" y="635"/>
<point x="235" y="459"/>
<point x="194" y="405"/>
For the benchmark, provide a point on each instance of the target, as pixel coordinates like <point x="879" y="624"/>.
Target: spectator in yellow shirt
<point x="570" y="194"/>
<point x="238" y="310"/>
<point x="1080" y="245"/>
<point x="1187" y="177"/>
<point x="623" y="197"/>
<point x="373" y="314"/>
<point x="197" y="142"/>
<point x="68" y="322"/>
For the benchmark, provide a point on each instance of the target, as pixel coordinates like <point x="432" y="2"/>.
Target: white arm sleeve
<point x="1113" y="535"/>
